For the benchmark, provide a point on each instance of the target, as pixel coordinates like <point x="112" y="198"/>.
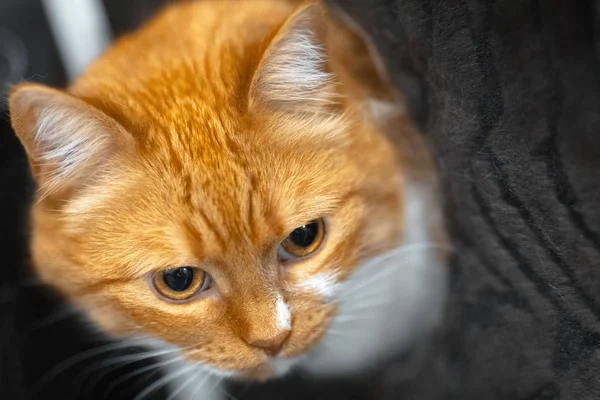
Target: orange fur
<point x="201" y="164"/>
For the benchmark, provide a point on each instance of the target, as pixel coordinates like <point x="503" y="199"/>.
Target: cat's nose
<point x="271" y="346"/>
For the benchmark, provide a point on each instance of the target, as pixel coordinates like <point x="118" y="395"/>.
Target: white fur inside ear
<point x="65" y="140"/>
<point x="293" y="72"/>
<point x="63" y="135"/>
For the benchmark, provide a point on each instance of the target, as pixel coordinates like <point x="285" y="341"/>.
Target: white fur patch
<point x="67" y="139"/>
<point x="390" y="302"/>
<point x="186" y="380"/>
<point x="284" y="318"/>
<point x="294" y="69"/>
<point x="281" y="366"/>
<point x="323" y="284"/>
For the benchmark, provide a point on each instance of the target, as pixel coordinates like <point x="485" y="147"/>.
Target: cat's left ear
<point x="65" y="138"/>
<point x="293" y="74"/>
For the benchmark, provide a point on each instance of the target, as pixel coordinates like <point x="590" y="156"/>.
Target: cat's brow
<point x="320" y="207"/>
<point x="100" y="284"/>
<point x="195" y="245"/>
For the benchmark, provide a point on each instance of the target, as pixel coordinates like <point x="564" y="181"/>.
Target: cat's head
<point x="209" y="193"/>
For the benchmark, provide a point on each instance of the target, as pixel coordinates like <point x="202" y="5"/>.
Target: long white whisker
<point x="366" y="305"/>
<point x="52" y="318"/>
<point x="387" y="271"/>
<point x="377" y="276"/>
<point x="342" y="319"/>
<point x="120" y="361"/>
<point x="194" y="377"/>
<point x="334" y="332"/>
<point x="404" y="249"/>
<point x="77" y="358"/>
<point x="212" y="389"/>
<point x="140" y="371"/>
<point x="164" y="381"/>
<point x="184" y="385"/>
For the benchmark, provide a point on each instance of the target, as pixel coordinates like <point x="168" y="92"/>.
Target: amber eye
<point x="180" y="283"/>
<point x="303" y="241"/>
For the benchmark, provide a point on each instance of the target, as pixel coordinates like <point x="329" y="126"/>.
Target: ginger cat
<point x="217" y="182"/>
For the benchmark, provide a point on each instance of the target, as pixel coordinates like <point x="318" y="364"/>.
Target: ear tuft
<point x="293" y="74"/>
<point x="62" y="135"/>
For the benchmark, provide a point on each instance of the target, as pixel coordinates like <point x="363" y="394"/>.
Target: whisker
<point x="178" y="358"/>
<point x="75" y="359"/>
<point x="52" y="319"/>
<point x="217" y="385"/>
<point x="366" y="305"/>
<point x="164" y="381"/>
<point x="367" y="294"/>
<point x="341" y="334"/>
<point x="405" y="249"/>
<point x="194" y="377"/>
<point x="185" y="384"/>
<point x="349" y="318"/>
<point x="212" y="389"/>
<point x="377" y="276"/>
<point x="387" y="271"/>
<point x="140" y="371"/>
<point x="97" y="367"/>
<point x="229" y="395"/>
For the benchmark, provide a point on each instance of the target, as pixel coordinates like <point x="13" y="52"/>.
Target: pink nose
<point x="271" y="346"/>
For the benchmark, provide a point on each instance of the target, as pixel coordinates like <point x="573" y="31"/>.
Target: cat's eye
<point x="180" y="283"/>
<point x="303" y="241"/>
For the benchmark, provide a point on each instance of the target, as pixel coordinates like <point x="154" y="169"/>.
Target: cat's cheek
<point x="132" y="309"/>
<point x="105" y="317"/>
<point x="310" y="325"/>
<point x="322" y="286"/>
<point x="114" y="324"/>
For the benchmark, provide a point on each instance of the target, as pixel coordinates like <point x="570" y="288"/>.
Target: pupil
<point x="179" y="279"/>
<point x="305" y="235"/>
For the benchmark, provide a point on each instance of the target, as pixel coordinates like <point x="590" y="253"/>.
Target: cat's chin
<point x="271" y="368"/>
<point x="275" y="368"/>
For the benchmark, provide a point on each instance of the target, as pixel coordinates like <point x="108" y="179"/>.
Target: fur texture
<point x="507" y="96"/>
<point x="203" y="140"/>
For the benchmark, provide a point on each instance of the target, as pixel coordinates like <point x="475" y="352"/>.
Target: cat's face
<point x="221" y="229"/>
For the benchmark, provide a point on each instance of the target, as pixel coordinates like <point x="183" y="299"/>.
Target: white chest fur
<point x="390" y="301"/>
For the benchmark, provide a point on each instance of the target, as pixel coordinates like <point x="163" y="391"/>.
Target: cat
<point x="220" y="184"/>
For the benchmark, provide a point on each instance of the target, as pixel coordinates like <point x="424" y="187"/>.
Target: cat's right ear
<point x="63" y="136"/>
<point x="293" y="74"/>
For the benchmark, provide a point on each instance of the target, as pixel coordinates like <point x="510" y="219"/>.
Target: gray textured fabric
<point x="507" y="94"/>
